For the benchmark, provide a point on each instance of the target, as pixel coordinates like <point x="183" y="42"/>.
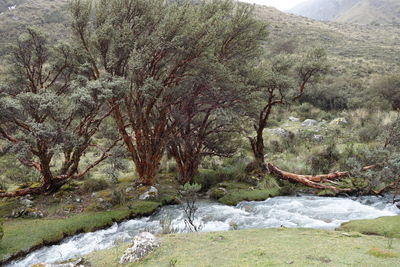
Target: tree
<point x="388" y="89"/>
<point x="48" y="110"/>
<point x="211" y="112"/>
<point x="158" y="47"/>
<point x="281" y="81"/>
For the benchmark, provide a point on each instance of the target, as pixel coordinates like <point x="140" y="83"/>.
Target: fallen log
<point x="309" y="180"/>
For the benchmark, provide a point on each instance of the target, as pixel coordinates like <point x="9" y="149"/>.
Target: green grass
<point x="261" y="247"/>
<point x="21" y="235"/>
<point x="382" y="253"/>
<point x="383" y="226"/>
<point x="236" y="192"/>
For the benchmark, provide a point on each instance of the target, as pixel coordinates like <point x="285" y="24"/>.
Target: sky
<point x="279" y="4"/>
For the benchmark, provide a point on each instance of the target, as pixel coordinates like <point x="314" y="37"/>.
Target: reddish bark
<point x="304" y="179"/>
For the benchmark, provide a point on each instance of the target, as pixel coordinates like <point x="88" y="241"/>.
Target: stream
<point x="300" y="212"/>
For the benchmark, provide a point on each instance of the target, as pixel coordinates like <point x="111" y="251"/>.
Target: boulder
<point x="309" y="122"/>
<point x="143" y="244"/>
<point x="151" y="193"/>
<point x="294" y="119"/>
<point x="26" y="202"/>
<point x="339" y="121"/>
<point x="280" y="132"/>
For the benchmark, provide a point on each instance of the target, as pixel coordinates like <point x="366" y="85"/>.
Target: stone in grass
<point x="143" y="244"/>
<point x="309" y="122"/>
<point x="317" y="138"/>
<point x="293" y="119"/>
<point x="151" y="193"/>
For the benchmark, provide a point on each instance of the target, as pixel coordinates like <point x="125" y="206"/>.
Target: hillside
<point x="351" y="11"/>
<point x="358" y="50"/>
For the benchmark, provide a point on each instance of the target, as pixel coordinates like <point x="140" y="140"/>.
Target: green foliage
<point x="13" y="171"/>
<point x="208" y="178"/>
<point x="323" y="161"/>
<point x="94" y="185"/>
<point x="387" y="88"/>
<point x="231" y="193"/>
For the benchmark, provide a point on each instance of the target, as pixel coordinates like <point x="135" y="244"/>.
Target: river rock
<point x="309" y="122"/>
<point x="294" y="119"/>
<point x="143" y="244"/>
<point x="339" y="121"/>
<point x="151" y="193"/>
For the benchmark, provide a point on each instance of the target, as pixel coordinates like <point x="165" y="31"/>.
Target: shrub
<point x="325" y="160"/>
<point x="118" y="196"/>
<point x="94" y="185"/>
<point x="208" y="178"/>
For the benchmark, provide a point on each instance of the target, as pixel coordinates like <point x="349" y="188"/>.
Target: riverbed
<point x="292" y="211"/>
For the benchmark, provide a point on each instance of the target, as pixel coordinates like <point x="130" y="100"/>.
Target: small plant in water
<point x="166" y="226"/>
<point x="188" y="194"/>
<point x="233" y="226"/>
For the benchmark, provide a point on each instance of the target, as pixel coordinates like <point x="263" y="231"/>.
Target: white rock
<point x="143" y="244"/>
<point x="309" y="122"/>
<point x="26" y="202"/>
<point x="129" y="189"/>
<point x="151" y="193"/>
<point x="293" y="119"/>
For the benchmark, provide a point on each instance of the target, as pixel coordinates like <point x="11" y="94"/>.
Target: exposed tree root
<point x="44" y="189"/>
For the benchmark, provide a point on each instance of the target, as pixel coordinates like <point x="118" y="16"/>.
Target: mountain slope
<point x="351" y="11"/>
<point x="363" y="49"/>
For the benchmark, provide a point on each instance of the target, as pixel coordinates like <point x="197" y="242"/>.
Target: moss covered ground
<point x="263" y="247"/>
<point x="383" y="226"/>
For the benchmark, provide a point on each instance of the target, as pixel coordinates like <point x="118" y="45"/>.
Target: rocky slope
<point x="351" y="11"/>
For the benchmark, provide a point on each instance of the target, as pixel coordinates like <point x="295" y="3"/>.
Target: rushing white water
<point x="303" y="212"/>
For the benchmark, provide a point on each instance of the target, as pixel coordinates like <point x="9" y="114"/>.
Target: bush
<point x="94" y="185"/>
<point x="324" y="161"/>
<point x="208" y="178"/>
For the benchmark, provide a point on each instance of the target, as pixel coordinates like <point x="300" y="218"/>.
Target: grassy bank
<point x="263" y="247"/>
<point x="22" y="235"/>
<point x="383" y="226"/>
